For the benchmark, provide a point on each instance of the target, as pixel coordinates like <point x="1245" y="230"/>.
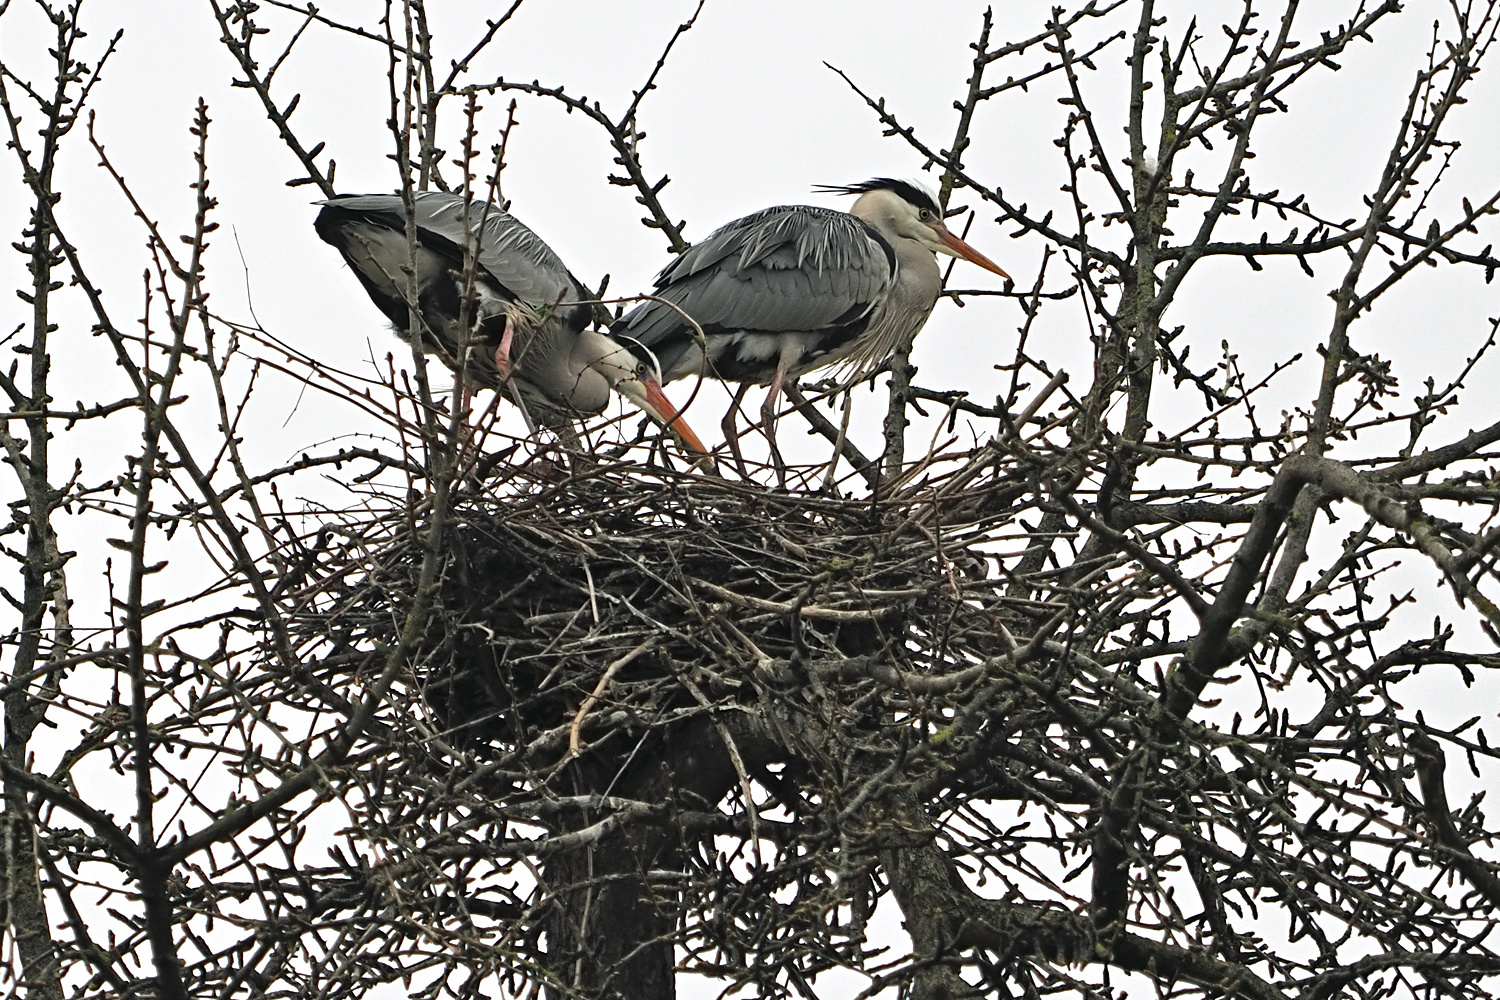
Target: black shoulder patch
<point x="882" y="242"/>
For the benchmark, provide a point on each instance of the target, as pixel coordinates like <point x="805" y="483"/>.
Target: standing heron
<point x="793" y="288"/>
<point x="522" y="321"/>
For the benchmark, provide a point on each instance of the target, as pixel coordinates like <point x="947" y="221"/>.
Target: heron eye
<point x="925" y="215"/>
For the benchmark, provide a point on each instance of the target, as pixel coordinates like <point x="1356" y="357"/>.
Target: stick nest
<point x="613" y="587"/>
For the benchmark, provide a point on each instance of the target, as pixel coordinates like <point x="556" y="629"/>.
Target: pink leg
<point x="768" y="423"/>
<point x="502" y="354"/>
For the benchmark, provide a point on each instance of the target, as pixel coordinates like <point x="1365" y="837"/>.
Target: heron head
<point x="640" y="359"/>
<point x="633" y="371"/>
<point x="910" y="210"/>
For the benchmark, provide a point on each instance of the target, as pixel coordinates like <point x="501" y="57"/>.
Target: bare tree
<point x="1117" y="693"/>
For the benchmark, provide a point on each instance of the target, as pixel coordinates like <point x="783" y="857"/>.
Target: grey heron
<point x="526" y="322"/>
<point x="797" y="287"/>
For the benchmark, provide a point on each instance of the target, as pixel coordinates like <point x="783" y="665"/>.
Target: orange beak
<point x="961" y="249"/>
<point x="660" y="407"/>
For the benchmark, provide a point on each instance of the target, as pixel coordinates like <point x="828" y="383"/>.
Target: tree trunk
<point x="611" y="928"/>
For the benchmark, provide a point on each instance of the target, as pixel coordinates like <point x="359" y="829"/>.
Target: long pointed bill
<point x="961" y="249"/>
<point x="646" y="393"/>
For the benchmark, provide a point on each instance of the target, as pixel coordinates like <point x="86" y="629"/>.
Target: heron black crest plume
<point x="914" y="192"/>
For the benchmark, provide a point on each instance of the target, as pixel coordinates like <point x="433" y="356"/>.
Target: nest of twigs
<point x="579" y="608"/>
<point x="623" y="663"/>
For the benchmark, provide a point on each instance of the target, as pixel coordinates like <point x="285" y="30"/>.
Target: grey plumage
<point x="781" y="292"/>
<point x="786" y="271"/>
<point x="525" y="325"/>
<point x="519" y="280"/>
<point x="793" y="288"/>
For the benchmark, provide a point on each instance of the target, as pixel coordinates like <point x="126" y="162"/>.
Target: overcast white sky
<point x="746" y="116"/>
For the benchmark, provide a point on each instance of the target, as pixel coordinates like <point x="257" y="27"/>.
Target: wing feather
<point x="517" y="279"/>
<point x="524" y="267"/>
<point x="794" y="269"/>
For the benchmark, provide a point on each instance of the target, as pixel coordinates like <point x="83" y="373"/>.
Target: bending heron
<point x="524" y="322"/>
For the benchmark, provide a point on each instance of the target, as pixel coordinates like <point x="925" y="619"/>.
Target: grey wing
<point x="519" y="260"/>
<point x="795" y="268"/>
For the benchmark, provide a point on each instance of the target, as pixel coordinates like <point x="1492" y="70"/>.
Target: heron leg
<point x="731" y="434"/>
<point x="515" y="393"/>
<point x="502" y="366"/>
<point x="768" y="424"/>
<point x="502" y="353"/>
